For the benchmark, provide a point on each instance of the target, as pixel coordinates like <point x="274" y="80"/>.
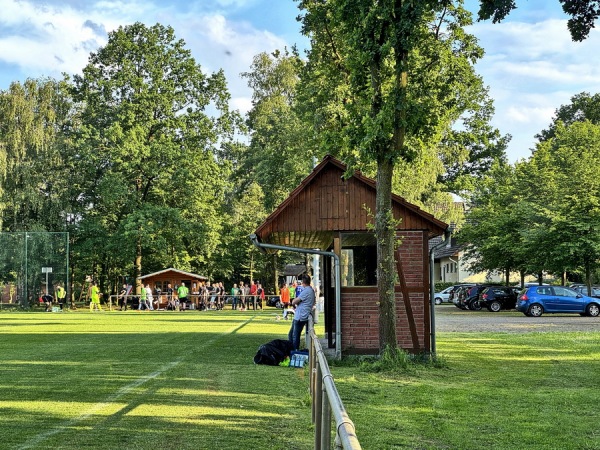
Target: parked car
<point x="443" y="296"/>
<point x="456" y="289"/>
<point x="537" y="300"/>
<point x="469" y="298"/>
<point x="495" y="298"/>
<point x="274" y="301"/>
<point x="460" y="295"/>
<point x="583" y="290"/>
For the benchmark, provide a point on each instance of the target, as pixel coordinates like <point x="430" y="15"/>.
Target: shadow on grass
<point x="180" y="388"/>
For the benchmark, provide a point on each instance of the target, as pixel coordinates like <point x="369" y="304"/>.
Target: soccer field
<point x="168" y="380"/>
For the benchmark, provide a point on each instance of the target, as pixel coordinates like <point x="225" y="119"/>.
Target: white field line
<point x="34" y="441"/>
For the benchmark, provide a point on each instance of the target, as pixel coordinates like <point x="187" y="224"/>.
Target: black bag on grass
<point x="274" y="352"/>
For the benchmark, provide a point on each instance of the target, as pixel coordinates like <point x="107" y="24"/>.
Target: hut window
<point x="359" y="259"/>
<point x="358" y="266"/>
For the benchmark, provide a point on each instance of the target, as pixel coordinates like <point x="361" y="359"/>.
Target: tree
<point x="397" y="67"/>
<point x="493" y="231"/>
<point x="583" y="106"/>
<point x="150" y="178"/>
<point x="34" y="116"/>
<point x="533" y="218"/>
<point x="583" y="14"/>
<point x="280" y="152"/>
<point x="404" y="75"/>
<point x="573" y="218"/>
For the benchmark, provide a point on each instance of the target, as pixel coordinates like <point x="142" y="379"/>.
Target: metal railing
<point x="249" y="301"/>
<point x="326" y="401"/>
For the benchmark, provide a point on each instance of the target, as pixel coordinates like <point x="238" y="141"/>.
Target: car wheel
<point x="438" y="301"/>
<point x="475" y="305"/>
<point x="593" y="310"/>
<point x="535" y="310"/>
<point x="495" y="306"/>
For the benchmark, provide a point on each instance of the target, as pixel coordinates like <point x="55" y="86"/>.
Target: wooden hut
<point x="160" y="280"/>
<point x="332" y="213"/>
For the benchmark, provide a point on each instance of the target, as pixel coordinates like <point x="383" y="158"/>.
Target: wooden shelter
<point x="332" y="213"/>
<point x="159" y="280"/>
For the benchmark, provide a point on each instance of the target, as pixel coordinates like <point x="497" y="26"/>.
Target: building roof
<point x="294" y="270"/>
<point x="326" y="202"/>
<point x="180" y="272"/>
<point x="446" y="251"/>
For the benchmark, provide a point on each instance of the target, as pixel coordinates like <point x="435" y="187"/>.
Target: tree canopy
<point x="147" y="147"/>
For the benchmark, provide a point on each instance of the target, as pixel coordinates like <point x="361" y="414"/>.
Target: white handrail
<point x="326" y="401"/>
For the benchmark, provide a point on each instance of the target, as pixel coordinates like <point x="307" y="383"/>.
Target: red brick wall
<point x="360" y="312"/>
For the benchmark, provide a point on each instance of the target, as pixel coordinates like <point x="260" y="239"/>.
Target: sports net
<point x="31" y="262"/>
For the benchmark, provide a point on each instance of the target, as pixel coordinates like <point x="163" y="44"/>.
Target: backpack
<point x="274" y="352"/>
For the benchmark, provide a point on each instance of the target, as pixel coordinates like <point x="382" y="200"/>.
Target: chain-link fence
<point x="30" y="264"/>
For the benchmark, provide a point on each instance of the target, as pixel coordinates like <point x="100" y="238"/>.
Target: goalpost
<point x="30" y="263"/>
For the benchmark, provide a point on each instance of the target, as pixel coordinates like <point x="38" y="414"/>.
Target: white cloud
<point x="46" y="40"/>
<point x="54" y="38"/>
<point x="218" y="43"/>
<point x="532" y="69"/>
<point x="526" y="115"/>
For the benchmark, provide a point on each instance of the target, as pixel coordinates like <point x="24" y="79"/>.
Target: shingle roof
<point x="170" y="269"/>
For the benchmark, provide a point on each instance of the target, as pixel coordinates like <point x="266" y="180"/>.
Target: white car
<point x="444" y="296"/>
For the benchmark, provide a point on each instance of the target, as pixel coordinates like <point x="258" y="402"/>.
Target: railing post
<point x="313" y="377"/>
<point x="325" y="401"/>
<point x="325" y="421"/>
<point x="318" y="408"/>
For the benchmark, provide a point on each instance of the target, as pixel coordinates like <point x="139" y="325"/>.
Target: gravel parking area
<point x="449" y="318"/>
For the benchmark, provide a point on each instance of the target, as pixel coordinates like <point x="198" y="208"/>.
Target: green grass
<point x="171" y="380"/>
<point x="134" y="380"/>
<point x="499" y="391"/>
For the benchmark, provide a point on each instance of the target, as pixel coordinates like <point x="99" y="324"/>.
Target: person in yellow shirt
<point x="61" y="294"/>
<point x="95" y="297"/>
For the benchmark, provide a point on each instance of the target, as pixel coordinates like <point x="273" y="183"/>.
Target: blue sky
<point x="531" y="65"/>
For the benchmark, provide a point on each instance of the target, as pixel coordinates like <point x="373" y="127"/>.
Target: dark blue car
<point x="537" y="300"/>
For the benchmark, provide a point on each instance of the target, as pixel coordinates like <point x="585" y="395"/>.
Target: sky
<point x="531" y="66"/>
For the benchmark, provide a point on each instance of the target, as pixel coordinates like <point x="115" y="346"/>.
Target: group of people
<point x="297" y="299"/>
<point x="247" y="295"/>
<point x="287" y="296"/>
<point x="48" y="300"/>
<point x="177" y="299"/>
<point x="203" y="296"/>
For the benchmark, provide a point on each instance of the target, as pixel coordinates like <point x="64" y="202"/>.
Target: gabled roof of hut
<point x="179" y="272"/>
<point x="326" y="202"/>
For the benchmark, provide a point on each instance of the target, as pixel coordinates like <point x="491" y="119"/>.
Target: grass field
<point x="172" y="380"/>
<point x="132" y="380"/>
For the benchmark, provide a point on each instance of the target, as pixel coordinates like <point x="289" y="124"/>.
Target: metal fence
<point x="31" y="262"/>
<point x="326" y="401"/>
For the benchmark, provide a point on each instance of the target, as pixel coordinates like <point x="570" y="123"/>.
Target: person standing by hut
<point x="235" y="291"/>
<point x="253" y="291"/>
<point x="182" y="293"/>
<point x="304" y="304"/>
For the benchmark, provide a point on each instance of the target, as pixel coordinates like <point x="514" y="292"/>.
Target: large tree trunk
<point x="588" y="275"/>
<point x="385" y="231"/>
<point x="522" y="274"/>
